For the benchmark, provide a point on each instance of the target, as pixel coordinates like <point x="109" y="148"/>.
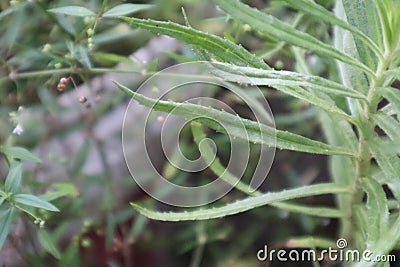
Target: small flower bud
<point x="86" y="243"/>
<point x="60" y="87"/>
<point x="46" y="48"/>
<point x="64" y="80"/>
<point x="246" y="27"/>
<point x="90" y="32"/>
<point x="87" y="20"/>
<point x="82" y="99"/>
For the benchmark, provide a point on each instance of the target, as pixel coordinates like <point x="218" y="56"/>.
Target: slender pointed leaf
<point x="377" y="210"/>
<point x="313" y="9"/>
<point x="219" y="170"/>
<point x="268" y="24"/>
<point x="357" y="16"/>
<point x="256" y="132"/>
<point x="5" y="225"/>
<point x="393" y="96"/>
<point x="33" y="201"/>
<point x="222" y="49"/>
<point x="283" y="78"/>
<point x="389" y="163"/>
<point x="48" y="244"/>
<point x="125" y="9"/>
<point x="310" y="242"/>
<point x="14" y="177"/>
<point x="21" y="154"/>
<point x="73" y="11"/>
<point x="245" y="204"/>
<point x="388" y="124"/>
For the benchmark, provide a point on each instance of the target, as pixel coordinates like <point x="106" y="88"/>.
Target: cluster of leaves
<point x="367" y="55"/>
<point x="13" y="200"/>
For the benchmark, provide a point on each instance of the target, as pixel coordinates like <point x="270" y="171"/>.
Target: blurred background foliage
<point x="100" y="228"/>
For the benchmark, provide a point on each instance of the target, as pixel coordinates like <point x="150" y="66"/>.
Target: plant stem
<point x="366" y="128"/>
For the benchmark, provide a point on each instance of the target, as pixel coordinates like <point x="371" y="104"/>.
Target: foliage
<point x="334" y="71"/>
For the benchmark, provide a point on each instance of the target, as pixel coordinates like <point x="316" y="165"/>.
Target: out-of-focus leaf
<point x="72" y="11"/>
<point x="14" y="177"/>
<point x="48" y="244"/>
<point x="125" y="9"/>
<point x="82" y="56"/>
<point x="60" y="190"/>
<point x="20" y="153"/>
<point x="5" y="225"/>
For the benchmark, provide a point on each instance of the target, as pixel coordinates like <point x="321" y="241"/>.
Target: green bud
<point x="279" y="64"/>
<point x="246" y="27"/>
<point x="46" y="48"/>
<point x="90" y="32"/>
<point x="86" y="243"/>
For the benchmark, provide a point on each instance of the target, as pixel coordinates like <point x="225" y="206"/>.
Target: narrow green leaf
<point x="219" y="170"/>
<point x="82" y="55"/>
<point x="81" y="157"/>
<point x="5" y="225"/>
<point x="125" y="9"/>
<point x="2" y="198"/>
<point x="310" y="242"/>
<point x="49" y="101"/>
<point x="384" y="23"/>
<point x="388" y="124"/>
<point x="33" y="201"/>
<point x="112" y="58"/>
<point x="48" y="244"/>
<point x="357" y="16"/>
<point x="375" y="29"/>
<point x="245" y="204"/>
<point x="350" y="76"/>
<point x="256" y="132"/>
<point x="14" y="177"/>
<point x="389" y="163"/>
<point x="317" y="211"/>
<point x="393" y="96"/>
<point x="60" y="190"/>
<point x="269" y="25"/>
<point x="283" y="78"/>
<point x="20" y="153"/>
<point x="72" y="11"/>
<point x="377" y="210"/>
<point x="313" y="9"/>
<point x="361" y="220"/>
<point x="222" y="49"/>
<point x="66" y="24"/>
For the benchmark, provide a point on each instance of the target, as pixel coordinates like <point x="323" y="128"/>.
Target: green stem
<point x="365" y="128"/>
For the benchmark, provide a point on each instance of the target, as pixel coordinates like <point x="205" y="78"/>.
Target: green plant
<point x="14" y="200"/>
<point x="358" y="110"/>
